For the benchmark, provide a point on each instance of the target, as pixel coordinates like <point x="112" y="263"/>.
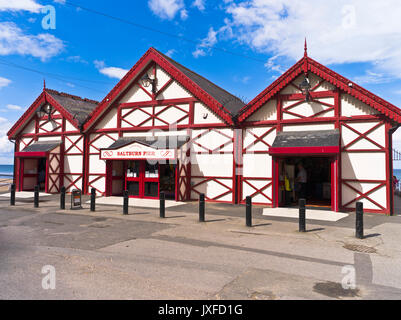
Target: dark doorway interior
<point x="42" y="173"/>
<point x="167" y="180"/>
<point x="316" y="190"/>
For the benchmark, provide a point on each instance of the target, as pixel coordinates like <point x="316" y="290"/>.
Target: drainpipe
<point x="390" y="133"/>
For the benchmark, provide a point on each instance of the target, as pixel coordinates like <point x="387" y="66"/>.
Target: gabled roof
<point x="75" y="109"/>
<point x="308" y="64"/>
<point x="217" y="99"/>
<point x="79" y="108"/>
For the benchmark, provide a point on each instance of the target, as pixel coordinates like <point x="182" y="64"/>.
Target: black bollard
<point x="36" y="197"/>
<point x="125" y="204"/>
<point x="93" y="199"/>
<point x="62" y="198"/>
<point x="248" y="211"/>
<point x="302" y="223"/>
<point x="162" y="205"/>
<point x="12" y="196"/>
<point x="202" y="207"/>
<point x="359" y="220"/>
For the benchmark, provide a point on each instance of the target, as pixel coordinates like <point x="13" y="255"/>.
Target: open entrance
<point x="142" y="178"/>
<point x="40" y="164"/>
<point x="33" y="173"/>
<point x="305" y="177"/>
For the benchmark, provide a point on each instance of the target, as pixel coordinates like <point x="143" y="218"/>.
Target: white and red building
<point x="165" y="128"/>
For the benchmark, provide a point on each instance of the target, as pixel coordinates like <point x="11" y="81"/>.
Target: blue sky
<point x="240" y="45"/>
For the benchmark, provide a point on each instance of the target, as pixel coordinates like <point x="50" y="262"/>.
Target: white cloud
<point x="371" y="77"/>
<point x="76" y="59"/>
<point x="184" y="14"/>
<point x="206" y="43"/>
<point x="14" y="41"/>
<point x="170" y="52"/>
<point x="167" y="9"/>
<point x="343" y="31"/>
<point x="112" y="72"/>
<point x="200" y="4"/>
<point x="4" y="82"/>
<point x="20" y="5"/>
<point x="244" y="79"/>
<point x="5" y="145"/>
<point x="13" y="107"/>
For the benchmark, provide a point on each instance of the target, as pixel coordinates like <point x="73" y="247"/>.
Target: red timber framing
<point x="150" y="58"/>
<point x="330" y="113"/>
<point x="152" y="114"/>
<point x="44" y="130"/>
<point x="257" y="144"/>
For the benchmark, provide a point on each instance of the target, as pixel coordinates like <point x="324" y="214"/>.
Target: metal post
<point x="12" y="196"/>
<point x="125" y="206"/>
<point x="62" y="198"/>
<point x="93" y="199"/>
<point x="162" y="205"/>
<point x="302" y="223"/>
<point x="202" y="207"/>
<point x="36" y="197"/>
<point x="248" y="211"/>
<point x="359" y="220"/>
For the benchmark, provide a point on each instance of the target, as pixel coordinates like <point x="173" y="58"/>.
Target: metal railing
<point x="396" y="155"/>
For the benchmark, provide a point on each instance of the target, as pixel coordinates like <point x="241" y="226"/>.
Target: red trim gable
<point x="43" y="97"/>
<point x="176" y="74"/>
<point x="330" y="76"/>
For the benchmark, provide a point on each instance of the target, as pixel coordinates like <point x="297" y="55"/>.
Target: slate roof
<point x="79" y="108"/>
<point x="42" y="146"/>
<point x="228" y="100"/>
<point x="321" y="138"/>
<point x="161" y="142"/>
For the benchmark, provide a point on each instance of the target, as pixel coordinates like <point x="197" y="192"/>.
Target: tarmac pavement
<point x="106" y="255"/>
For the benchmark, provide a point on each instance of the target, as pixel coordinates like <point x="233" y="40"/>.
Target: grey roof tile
<point x="321" y="138"/>
<point x="79" y="108"/>
<point x="42" y="146"/>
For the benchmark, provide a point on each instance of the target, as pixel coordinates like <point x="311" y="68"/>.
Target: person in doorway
<point x="395" y="183"/>
<point x="287" y="189"/>
<point x="301" y="180"/>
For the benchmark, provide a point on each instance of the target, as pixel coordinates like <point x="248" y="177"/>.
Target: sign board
<point x="76" y="199"/>
<point x="137" y="151"/>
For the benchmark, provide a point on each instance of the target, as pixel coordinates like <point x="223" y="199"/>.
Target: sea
<point x="397" y="173"/>
<point x="6" y="171"/>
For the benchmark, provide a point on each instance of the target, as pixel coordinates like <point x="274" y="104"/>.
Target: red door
<point x="142" y="179"/>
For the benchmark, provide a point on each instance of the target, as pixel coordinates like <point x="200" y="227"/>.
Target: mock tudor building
<point x="164" y="128"/>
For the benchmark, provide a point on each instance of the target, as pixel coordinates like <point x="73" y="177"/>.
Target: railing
<point x="396" y="155"/>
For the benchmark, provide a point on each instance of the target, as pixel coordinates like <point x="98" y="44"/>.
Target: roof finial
<point x="305" y="49"/>
<point x="44" y="84"/>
